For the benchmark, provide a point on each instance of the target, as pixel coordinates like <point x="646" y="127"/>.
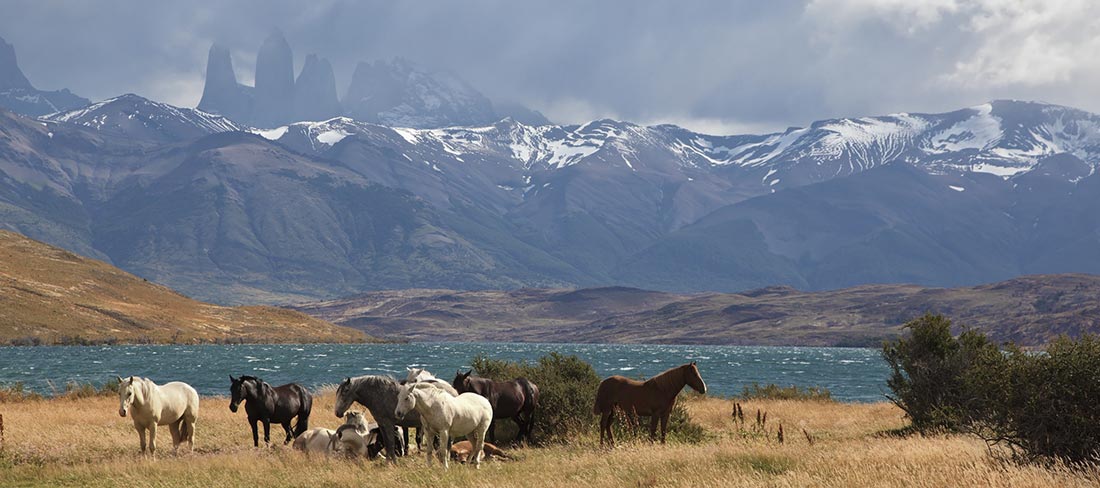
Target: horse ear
<point x="232" y="379"/>
<point x="693" y="363"/>
<point x="119" y="378"/>
<point x="468" y="373"/>
<point x="131" y="379"/>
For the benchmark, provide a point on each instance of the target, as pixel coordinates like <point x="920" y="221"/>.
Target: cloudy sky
<point x="720" y="66"/>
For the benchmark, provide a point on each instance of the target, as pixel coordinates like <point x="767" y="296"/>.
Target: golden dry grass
<point x="85" y="443"/>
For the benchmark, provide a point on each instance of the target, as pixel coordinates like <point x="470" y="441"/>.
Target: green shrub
<point x="1040" y="405"/>
<point x="929" y="373"/>
<point x="1043" y="405"/>
<point x="772" y="391"/>
<point x="567" y="390"/>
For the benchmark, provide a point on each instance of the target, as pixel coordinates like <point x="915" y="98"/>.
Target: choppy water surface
<point x="857" y="375"/>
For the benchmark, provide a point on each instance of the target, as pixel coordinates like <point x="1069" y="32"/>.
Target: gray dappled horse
<point x="379" y="395"/>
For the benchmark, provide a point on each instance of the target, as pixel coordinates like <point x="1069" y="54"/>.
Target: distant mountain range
<point x="395" y="93"/>
<point x="236" y="201"/>
<point x="1029" y="311"/>
<point x="321" y="209"/>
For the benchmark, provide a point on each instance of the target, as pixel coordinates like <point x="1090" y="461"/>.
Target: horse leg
<point x="141" y="435"/>
<point x="653" y="419"/>
<point x="302" y="424"/>
<point x="267" y="431"/>
<point x="189" y="425"/>
<point x="289" y="433"/>
<point x="174" y="428"/>
<point x="431" y="445"/>
<point x="664" y="425"/>
<point x="605" y="427"/>
<point x="255" y="432"/>
<point x="387" y="440"/>
<point x="492" y="432"/>
<point x="479" y="448"/>
<point x="530" y="426"/>
<point x="610" y="434"/>
<point x="443" y="451"/>
<point x="153" y="439"/>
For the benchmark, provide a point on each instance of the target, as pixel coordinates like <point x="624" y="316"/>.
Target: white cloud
<point x="1030" y="43"/>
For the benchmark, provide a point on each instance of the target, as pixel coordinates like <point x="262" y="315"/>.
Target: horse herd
<point x="440" y="411"/>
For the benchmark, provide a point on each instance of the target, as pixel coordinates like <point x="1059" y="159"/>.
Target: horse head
<point x="356" y="419"/>
<point x="416" y="374"/>
<point x="406" y="400"/>
<point x="241" y="389"/>
<point x="462" y="381"/>
<point x="694" y="379"/>
<point x="344" y="397"/>
<point x="128" y="393"/>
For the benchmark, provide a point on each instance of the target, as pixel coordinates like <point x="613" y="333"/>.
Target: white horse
<point x="443" y="415"/>
<point x="174" y="404"/>
<point x="420" y="375"/>
<point x="318" y="440"/>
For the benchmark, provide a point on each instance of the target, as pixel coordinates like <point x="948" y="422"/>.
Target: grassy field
<point x="85" y="443"/>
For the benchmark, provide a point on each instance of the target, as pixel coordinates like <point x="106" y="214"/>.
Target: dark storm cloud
<point x="712" y="65"/>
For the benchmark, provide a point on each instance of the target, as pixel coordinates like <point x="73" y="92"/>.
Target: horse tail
<point x="530" y="394"/>
<point x="303" y="412"/>
<point x="602" y="394"/>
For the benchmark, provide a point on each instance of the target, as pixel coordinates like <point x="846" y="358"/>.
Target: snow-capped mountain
<point x="329" y="207"/>
<point x="1001" y="137"/>
<point x="146" y="120"/>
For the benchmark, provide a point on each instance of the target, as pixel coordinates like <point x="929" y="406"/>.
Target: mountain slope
<point x="320" y="209"/>
<point x="1029" y="310"/>
<point x="142" y="119"/>
<point x="50" y="295"/>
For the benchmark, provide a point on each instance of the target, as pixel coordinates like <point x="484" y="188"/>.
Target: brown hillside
<point x="50" y="295"/>
<point x="1029" y="310"/>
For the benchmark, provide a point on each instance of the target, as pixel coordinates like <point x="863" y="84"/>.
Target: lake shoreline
<point x="849" y="374"/>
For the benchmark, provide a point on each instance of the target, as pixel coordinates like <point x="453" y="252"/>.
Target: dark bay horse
<point x="516" y="400"/>
<point x="653" y="398"/>
<point x="268" y="404"/>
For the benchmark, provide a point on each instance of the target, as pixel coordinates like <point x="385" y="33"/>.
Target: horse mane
<point x="667" y="379"/>
<point x="372" y="380"/>
<point x="143" y="386"/>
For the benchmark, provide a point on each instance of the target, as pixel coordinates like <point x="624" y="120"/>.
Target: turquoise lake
<point x="851" y="374"/>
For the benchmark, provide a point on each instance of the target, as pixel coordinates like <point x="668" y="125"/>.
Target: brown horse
<point x="653" y="398"/>
<point x="516" y="400"/>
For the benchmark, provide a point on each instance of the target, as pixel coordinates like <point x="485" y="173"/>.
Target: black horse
<point x="516" y="400"/>
<point x="268" y="404"/>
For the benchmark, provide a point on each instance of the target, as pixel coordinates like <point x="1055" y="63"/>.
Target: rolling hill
<point x="1029" y="310"/>
<point x="49" y="295"/>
